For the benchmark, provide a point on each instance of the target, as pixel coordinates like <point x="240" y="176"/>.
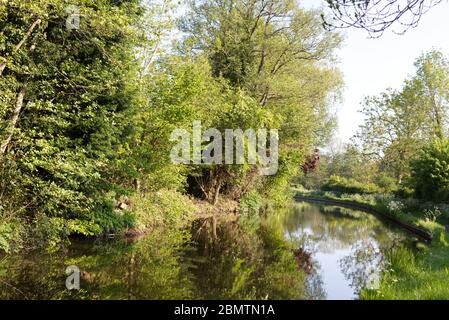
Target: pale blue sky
<point x="370" y="66"/>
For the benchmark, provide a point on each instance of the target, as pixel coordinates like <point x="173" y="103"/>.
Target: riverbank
<point x="420" y="232"/>
<point x="421" y="273"/>
<point x="172" y="209"/>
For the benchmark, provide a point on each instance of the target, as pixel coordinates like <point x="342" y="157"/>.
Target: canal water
<point x="305" y="251"/>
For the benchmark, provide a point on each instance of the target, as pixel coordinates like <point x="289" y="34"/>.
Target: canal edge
<point x="422" y="233"/>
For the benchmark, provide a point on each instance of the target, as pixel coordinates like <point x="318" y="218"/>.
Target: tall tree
<point x="432" y="90"/>
<point x="398" y="123"/>
<point x="279" y="55"/>
<point x="66" y="97"/>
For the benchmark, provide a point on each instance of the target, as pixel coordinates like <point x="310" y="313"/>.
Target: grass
<point x="410" y="275"/>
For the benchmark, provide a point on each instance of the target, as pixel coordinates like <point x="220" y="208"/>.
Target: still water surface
<point x="339" y="252"/>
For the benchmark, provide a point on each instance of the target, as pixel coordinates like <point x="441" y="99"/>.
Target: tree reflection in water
<point x="216" y="259"/>
<point x="315" y="285"/>
<point x="362" y="266"/>
<point x="236" y="262"/>
<point x="147" y="269"/>
<point x="347" y="247"/>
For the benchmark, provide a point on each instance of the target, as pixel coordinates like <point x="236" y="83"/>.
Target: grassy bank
<point x="421" y="275"/>
<point x="409" y="274"/>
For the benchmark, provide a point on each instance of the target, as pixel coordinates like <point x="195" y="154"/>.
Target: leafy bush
<point x="430" y="172"/>
<point x="10" y="235"/>
<point x="59" y="154"/>
<point x="395" y="207"/>
<point x="343" y="185"/>
<point x="386" y="181"/>
<point x="403" y="192"/>
<point x="162" y="208"/>
<point x="357" y="197"/>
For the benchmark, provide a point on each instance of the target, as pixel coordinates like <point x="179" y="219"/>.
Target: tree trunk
<point x="14" y="120"/>
<point x="136" y="183"/>
<point x="216" y="194"/>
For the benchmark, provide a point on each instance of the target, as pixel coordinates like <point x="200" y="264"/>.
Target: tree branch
<point x="14" y="120"/>
<point x="20" y="44"/>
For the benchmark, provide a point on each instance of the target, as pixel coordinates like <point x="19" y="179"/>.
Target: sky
<point x="370" y="66"/>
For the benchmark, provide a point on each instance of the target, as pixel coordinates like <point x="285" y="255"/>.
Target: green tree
<point x="431" y="85"/>
<point x="350" y="163"/>
<point x="66" y="99"/>
<point x="279" y="55"/>
<point x="430" y="171"/>
<point x="399" y="122"/>
<point x="392" y="131"/>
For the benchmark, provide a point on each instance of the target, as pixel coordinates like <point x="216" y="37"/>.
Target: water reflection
<point x="216" y="259"/>
<point x="235" y="262"/>
<point x="346" y="246"/>
<point x="147" y="269"/>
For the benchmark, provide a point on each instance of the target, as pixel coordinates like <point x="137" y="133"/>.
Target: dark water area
<point x="306" y="251"/>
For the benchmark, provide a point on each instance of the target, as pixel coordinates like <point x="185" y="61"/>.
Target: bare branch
<point x="376" y="16"/>
<point x="14" y="120"/>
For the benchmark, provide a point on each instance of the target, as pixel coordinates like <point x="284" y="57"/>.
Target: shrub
<point x="343" y="185"/>
<point x="430" y="172"/>
<point x="386" y="182"/>
<point x="10" y="235"/>
<point x="162" y="208"/>
<point x="396" y="207"/>
<point x="404" y="192"/>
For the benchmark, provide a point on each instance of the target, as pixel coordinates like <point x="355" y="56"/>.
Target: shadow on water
<point x="305" y="251"/>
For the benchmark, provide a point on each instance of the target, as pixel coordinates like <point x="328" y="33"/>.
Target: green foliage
<point x="78" y="90"/>
<point x="388" y="183"/>
<point x="399" y="123"/>
<point x="432" y="214"/>
<point x="413" y="275"/>
<point x="277" y="187"/>
<point x="343" y="185"/>
<point x="280" y="68"/>
<point x="430" y="172"/>
<point x="162" y="208"/>
<point x="11" y="235"/>
<point x="86" y="114"/>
